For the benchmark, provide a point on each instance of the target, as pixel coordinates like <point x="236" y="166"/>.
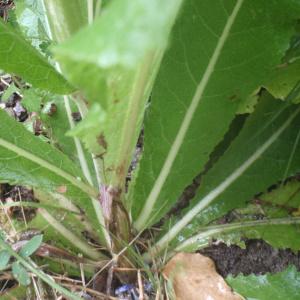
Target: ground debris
<point x="193" y="276"/>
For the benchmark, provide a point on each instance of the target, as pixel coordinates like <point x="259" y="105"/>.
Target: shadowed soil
<point x="258" y="258"/>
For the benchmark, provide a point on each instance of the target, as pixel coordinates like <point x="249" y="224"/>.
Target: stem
<point x="78" y="99"/>
<point x="65" y="17"/>
<point x="136" y="102"/>
<point x="46" y="278"/>
<point x="96" y="204"/>
<point x="90" y="9"/>
<point x="80" y="153"/>
<point x="98" y="210"/>
<point x="139" y="95"/>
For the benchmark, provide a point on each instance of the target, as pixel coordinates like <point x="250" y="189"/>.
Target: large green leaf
<point x="65" y="231"/>
<point x="57" y="123"/>
<point x="282" y="202"/>
<point x="114" y="61"/>
<point x="283" y="285"/>
<point x="65" y="227"/>
<point x="275" y="225"/>
<point x="62" y="224"/>
<point x="265" y="152"/>
<point x="29" y="161"/>
<point x="19" y="57"/>
<point x="279" y="232"/>
<point x="221" y="52"/>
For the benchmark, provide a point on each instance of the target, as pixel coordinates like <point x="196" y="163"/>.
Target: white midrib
<point x="83" y="163"/>
<point x="45" y="164"/>
<point x="79" y="149"/>
<point x="81" y="156"/>
<point x="164" y="241"/>
<point x="217" y="229"/>
<point x="150" y="202"/>
<point x="228" y="227"/>
<point x="90" y="10"/>
<point x="71" y="237"/>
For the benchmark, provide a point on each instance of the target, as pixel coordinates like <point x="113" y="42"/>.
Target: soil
<point x="258" y="258"/>
<point x="17" y="193"/>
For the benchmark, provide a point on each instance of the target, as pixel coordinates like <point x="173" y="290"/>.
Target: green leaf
<point x="20" y="274"/>
<point x="286" y="74"/>
<point x="121" y="51"/>
<point x="220" y="53"/>
<point x="33" y="98"/>
<point x="26" y="160"/>
<point x="266" y="151"/>
<point x="32" y="22"/>
<point x="284" y="79"/>
<point x="31" y="246"/>
<point x="281" y="202"/>
<point x="281" y="233"/>
<point x="65" y="228"/>
<point x="63" y="224"/>
<point x="19" y="57"/>
<point x="4" y="259"/>
<point x="35" y="271"/>
<point x="56" y="124"/>
<point x="282" y="285"/>
<point x="29" y="161"/>
<point x="8" y="92"/>
<point x="134" y="34"/>
<point x="276" y="226"/>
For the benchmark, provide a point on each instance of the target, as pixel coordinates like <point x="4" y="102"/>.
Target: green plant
<point x="222" y="79"/>
<point x="25" y="251"/>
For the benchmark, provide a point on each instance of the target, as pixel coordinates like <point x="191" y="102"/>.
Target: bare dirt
<point x="258" y="258"/>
